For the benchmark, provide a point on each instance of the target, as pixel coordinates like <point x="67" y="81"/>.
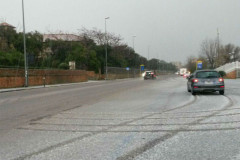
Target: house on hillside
<point x="6" y="35"/>
<point x="58" y="37"/>
<point x="6" y="26"/>
<point x="62" y="37"/>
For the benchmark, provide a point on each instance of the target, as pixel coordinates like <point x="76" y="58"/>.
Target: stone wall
<point x="10" y="78"/>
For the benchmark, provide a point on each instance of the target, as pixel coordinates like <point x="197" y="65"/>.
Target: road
<point x="121" y="119"/>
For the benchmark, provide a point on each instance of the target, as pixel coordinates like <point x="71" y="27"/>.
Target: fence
<point x="120" y="73"/>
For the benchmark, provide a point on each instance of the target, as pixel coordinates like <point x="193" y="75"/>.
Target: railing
<point x="229" y="67"/>
<point x="120" y="73"/>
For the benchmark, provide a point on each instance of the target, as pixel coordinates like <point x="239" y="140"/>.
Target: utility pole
<point x="148" y="51"/>
<point x="217" y="46"/>
<point x="134" y="51"/>
<point x="106" y="43"/>
<point x="133" y="37"/>
<point x="24" y="46"/>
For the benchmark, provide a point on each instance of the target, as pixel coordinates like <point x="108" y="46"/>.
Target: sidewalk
<point x="58" y="85"/>
<point x="46" y="86"/>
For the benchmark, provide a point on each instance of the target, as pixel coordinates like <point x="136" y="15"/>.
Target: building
<point x="7" y="26"/>
<point x="6" y="33"/>
<point x="63" y="37"/>
<point x="58" y="37"/>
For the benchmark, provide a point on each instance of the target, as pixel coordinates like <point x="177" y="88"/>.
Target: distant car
<point x="205" y="80"/>
<point x="182" y="71"/>
<point x="149" y="75"/>
<point x="186" y="75"/>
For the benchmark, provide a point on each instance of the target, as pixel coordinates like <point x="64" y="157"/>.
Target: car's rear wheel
<point x="188" y="89"/>
<point x="193" y="93"/>
<point x="221" y="92"/>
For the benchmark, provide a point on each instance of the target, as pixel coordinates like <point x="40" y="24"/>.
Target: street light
<point x="148" y="52"/>
<point x="106" y="46"/>
<point x="24" y="46"/>
<point x="134" y="52"/>
<point x="133" y="42"/>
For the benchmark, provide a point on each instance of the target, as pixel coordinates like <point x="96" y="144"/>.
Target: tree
<point x="7" y="37"/>
<point x="191" y="63"/>
<point x="209" y="50"/>
<point x="99" y="37"/>
<point x="153" y="64"/>
<point x="231" y="52"/>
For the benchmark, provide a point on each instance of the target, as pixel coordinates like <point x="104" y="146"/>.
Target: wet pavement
<point x="128" y="119"/>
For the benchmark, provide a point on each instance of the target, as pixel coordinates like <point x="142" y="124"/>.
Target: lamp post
<point x="24" y="46"/>
<point x="106" y="47"/>
<point x="133" y="37"/>
<point x="148" y="52"/>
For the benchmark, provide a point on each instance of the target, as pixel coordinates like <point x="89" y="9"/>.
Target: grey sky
<point x="174" y="29"/>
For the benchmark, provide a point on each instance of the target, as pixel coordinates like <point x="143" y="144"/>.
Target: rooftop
<point x="6" y="24"/>
<point x="63" y="37"/>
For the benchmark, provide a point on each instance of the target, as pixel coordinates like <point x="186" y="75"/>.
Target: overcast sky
<point x="174" y="29"/>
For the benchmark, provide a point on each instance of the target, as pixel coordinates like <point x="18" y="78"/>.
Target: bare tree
<point x="191" y="63"/>
<point x="236" y="55"/>
<point x="229" y="53"/>
<point x="99" y="37"/>
<point x="209" y="49"/>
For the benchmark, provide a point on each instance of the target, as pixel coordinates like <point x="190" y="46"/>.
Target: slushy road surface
<point x="121" y="119"/>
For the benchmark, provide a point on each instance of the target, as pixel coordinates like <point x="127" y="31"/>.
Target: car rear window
<point x="148" y="73"/>
<point x="208" y="74"/>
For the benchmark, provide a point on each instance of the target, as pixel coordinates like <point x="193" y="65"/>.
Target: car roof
<point x="206" y="70"/>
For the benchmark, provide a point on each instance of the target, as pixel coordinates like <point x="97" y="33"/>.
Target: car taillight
<point x="220" y="80"/>
<point x="195" y="80"/>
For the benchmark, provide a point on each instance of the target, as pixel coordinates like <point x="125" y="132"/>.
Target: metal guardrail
<point x="229" y="67"/>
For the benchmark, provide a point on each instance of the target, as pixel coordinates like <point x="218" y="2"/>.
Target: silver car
<point x="205" y="80"/>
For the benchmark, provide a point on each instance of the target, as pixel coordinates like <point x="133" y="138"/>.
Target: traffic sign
<point x="142" y="67"/>
<point x="199" y="64"/>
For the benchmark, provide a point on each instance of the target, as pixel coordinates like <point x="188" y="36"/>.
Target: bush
<point x="222" y="73"/>
<point x="11" y="59"/>
<point x="63" y="66"/>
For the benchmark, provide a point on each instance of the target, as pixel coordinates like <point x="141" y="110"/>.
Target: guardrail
<point x="229" y="67"/>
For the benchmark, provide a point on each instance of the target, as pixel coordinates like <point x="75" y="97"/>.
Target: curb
<point x="47" y="86"/>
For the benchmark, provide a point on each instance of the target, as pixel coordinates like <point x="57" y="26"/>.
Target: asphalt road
<point x="122" y="119"/>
